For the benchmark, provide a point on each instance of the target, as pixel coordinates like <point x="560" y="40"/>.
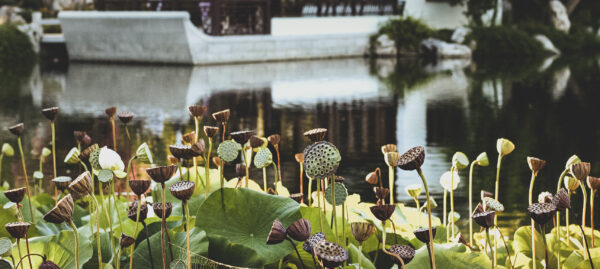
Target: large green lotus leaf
<point x="577" y="259"/>
<point x="450" y="256"/>
<point x="224" y="251"/>
<point x="575" y="240"/>
<point x="105" y="248"/>
<point x="235" y="183"/>
<point x="6" y="216"/>
<point x="58" y="248"/>
<point x="5" y="264"/>
<point x="247" y="220"/>
<point x="215" y="183"/>
<point x="198" y="247"/>
<point x="312" y="215"/>
<point x="522" y="242"/>
<point x="354" y="253"/>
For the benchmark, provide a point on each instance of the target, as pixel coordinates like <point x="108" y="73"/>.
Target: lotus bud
<point x="274" y="139"/>
<point x="504" y="147"/>
<point x="161" y="174"/>
<point x="460" y="160"/>
<point x="17" y="129"/>
<point x="405" y="252"/>
<point x="125" y="117"/>
<point x="372" y="178"/>
<point x="86" y="141"/>
<point x="362" y="230"/>
<point x="182" y="190"/>
<point x="211" y="131"/>
<point x="73" y="156"/>
<point x="571" y="161"/>
<point x="485" y="219"/>
<point x="545" y="197"/>
<point x="299" y="230"/>
<point x="482" y="159"/>
<point x="110" y="112"/>
<point x="158" y="209"/>
<point x="197" y="111"/>
<point x="316" y="135"/>
<point x="330" y="254"/>
<point x="221" y="116"/>
<point x="46" y="152"/>
<point x="144" y="154"/>
<point x="242" y="136"/>
<point x="580" y="170"/>
<point x="189" y="138"/>
<point x="423" y="234"/>
<point x="78" y="135"/>
<point x="391" y="158"/>
<point x="571" y="184"/>
<point x="561" y="200"/>
<point x="389" y="148"/>
<point x="383" y="212"/>
<point x="313" y="241"/>
<point x="412" y="159"/>
<point x="450" y="180"/>
<point x="8" y="150"/>
<point x="17" y="230"/>
<point x="541" y="213"/>
<point x="62" y="211"/>
<point x="535" y="164"/>
<point x="593" y="182"/>
<point x="277" y="233"/>
<point x="126" y="241"/>
<point x="413" y="190"/>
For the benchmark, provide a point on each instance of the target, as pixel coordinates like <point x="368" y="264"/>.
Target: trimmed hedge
<point x="16" y="51"/>
<point x="505" y="41"/>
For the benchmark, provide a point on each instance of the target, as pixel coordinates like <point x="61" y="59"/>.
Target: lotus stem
<point x="452" y="199"/>
<point x="471" y="202"/>
<point x="84" y="166"/>
<point x="279" y="165"/>
<point x="149" y="247"/>
<point x="297" y="253"/>
<point x="344" y="224"/>
<point x="309" y="194"/>
<point x="53" y="155"/>
<point x="163" y="228"/>
<point x="264" y="172"/>
<point x="137" y="221"/>
<point x="180" y="170"/>
<point x="583" y="219"/>
<point x="223" y="134"/>
<point x="557" y="249"/>
<point x="532" y="222"/>
<point x="391" y="179"/>
<point x="496" y="196"/>
<point x="418" y="208"/>
<point x="76" y="235"/>
<point x="1" y="157"/>
<point x="488" y="242"/>
<point x="129" y="164"/>
<point x="276" y="174"/>
<point x="187" y="233"/>
<point x="248" y="162"/>
<point x="221" y="168"/>
<point x="445" y="215"/>
<point x="431" y="250"/>
<point x="98" y="230"/>
<point x="207" y="168"/>
<point x="506" y="248"/>
<point x="301" y="180"/>
<point x="319" y="205"/>
<point x="592" y="193"/>
<point x="568" y="224"/>
<point x="114" y="133"/>
<point x="384" y="249"/>
<point x="108" y="218"/>
<point x="112" y="185"/>
<point x="359" y="255"/>
<point x="543" y="229"/>
<point x="119" y="258"/>
<point x="19" y="250"/>
<point x="334" y="207"/>
<point x="26" y="179"/>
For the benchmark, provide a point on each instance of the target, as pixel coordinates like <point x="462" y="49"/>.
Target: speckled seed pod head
<point x="316" y="135"/>
<point x="139" y="186"/>
<point x="17" y="129"/>
<point x="132" y="212"/>
<point x="313" y="241"/>
<point x="383" y="212"/>
<point x="362" y="230"/>
<point x="221" y="116"/>
<point x="211" y="131"/>
<point x="62" y="211"/>
<point x="189" y="138"/>
<point x="485" y="219"/>
<point x="296" y="197"/>
<point x="125" y="117"/>
<point x="48" y="264"/>
<point x="277" y="233"/>
<point x="199" y="147"/>
<point x="299" y="230"/>
<point x="541" y="213"/>
<point x="50" y="113"/>
<point x="580" y="170"/>
<point x="229" y="150"/>
<point x="321" y="160"/>
<point x="15" y="195"/>
<point x="110" y="112"/>
<point x="62" y="183"/>
<point x="126" y="241"/>
<point x="197" y="111"/>
<point x="389" y="148"/>
<point x="82" y="185"/>
<point x="95" y="159"/>
<point x="183" y="152"/>
<point x="330" y="254"/>
<point x="161" y="174"/>
<point x="158" y="209"/>
<point x="381" y="193"/>
<point x="391" y="158"/>
<point x="561" y="200"/>
<point x="485" y="194"/>
<point x="492" y="204"/>
<point x="240" y="170"/>
<point x="405" y="252"/>
<point x="423" y="234"/>
<point x="17" y="230"/>
<point x="87" y="152"/>
<point x="535" y="164"/>
<point x="274" y="139"/>
<point x="372" y="178"/>
<point x="182" y="190"/>
<point x="242" y="136"/>
<point x="593" y="182"/>
<point x="263" y="158"/>
<point x="299" y="157"/>
<point x="412" y="159"/>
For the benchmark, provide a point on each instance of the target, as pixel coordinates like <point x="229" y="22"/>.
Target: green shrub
<point x="444" y="34"/>
<point x="16" y="51"/>
<point x="503" y="41"/>
<point x="52" y="29"/>
<point x="407" y="33"/>
<point x="577" y="41"/>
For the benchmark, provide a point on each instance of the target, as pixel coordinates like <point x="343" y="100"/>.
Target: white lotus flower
<point x="446" y="180"/>
<point x="110" y="160"/>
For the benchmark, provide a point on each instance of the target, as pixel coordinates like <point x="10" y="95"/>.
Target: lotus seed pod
<point x="242" y="136"/>
<point x="222" y="116"/>
<point x="313" y="241"/>
<point x="541" y="213"/>
<point x="593" y="182"/>
<point x="139" y="186"/>
<point x="572" y="160"/>
<point x="199" y="148"/>
<point x="46" y="152"/>
<point x="211" y="131"/>
<point x="330" y="254"/>
<point x="482" y="159"/>
<point x="450" y="180"/>
<point x="341" y="193"/>
<point x="545" y="197"/>
<point x="316" y="135"/>
<point x="50" y="113"/>
<point x="491" y="203"/>
<point x="182" y="190"/>
<point x="460" y="160"/>
<point x="95" y="159"/>
<point x="423" y="234"/>
<point x="485" y="193"/>
<point x="321" y="160"/>
<point x="197" y="111"/>
<point x="17" y="129"/>
<point x="258" y="142"/>
<point x="62" y="183"/>
<point x="484" y="219"/>
<point x="297" y="197"/>
<point x="8" y="150"/>
<point x="274" y="139"/>
<point x="48" y="264"/>
<point x="73" y="156"/>
<point x="381" y="193"/>
<point x="504" y="146"/>
<point x="405" y="252"/>
<point x="125" y="117"/>
<point x="158" y="209"/>
<point x="362" y="230"/>
<point x="412" y="159"/>
<point x="86" y="153"/>
<point x="455" y="216"/>
<point x="432" y="203"/>
<point x="580" y="170"/>
<point x="161" y="174"/>
<point x="110" y="112"/>
<point x="263" y="158"/>
<point x="132" y="212"/>
<point x="535" y="164"/>
<point x="62" y="211"/>
<point x="126" y="241"/>
<point x="188" y="138"/>
<point x="389" y="148"/>
<point x="229" y="150"/>
<point x="561" y="200"/>
<point x="299" y="157"/>
<point x="572" y="184"/>
<point x="372" y="178"/>
<point x="17" y="230"/>
<point x="414" y="190"/>
<point x="277" y="233"/>
<point x="383" y="212"/>
<point x="299" y="230"/>
<point x="391" y="158"/>
<point x="82" y="185"/>
<point x="15" y="195"/>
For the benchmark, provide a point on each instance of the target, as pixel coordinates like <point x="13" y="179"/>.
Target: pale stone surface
<point x="33" y="30"/>
<point x="437" y="14"/>
<point x="559" y="16"/>
<point x="385" y="46"/>
<point x="10" y="14"/>
<point x="443" y="49"/>
<point x="170" y="37"/>
<point x="560" y="79"/>
<point x="459" y="35"/>
<point x="547" y="44"/>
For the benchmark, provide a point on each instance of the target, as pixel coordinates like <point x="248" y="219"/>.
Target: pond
<point x="547" y="108"/>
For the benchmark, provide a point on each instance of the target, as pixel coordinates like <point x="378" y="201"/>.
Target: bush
<point x="407" y="33"/>
<point x="579" y="40"/>
<point x="16" y="51"/>
<point x="503" y="41"/>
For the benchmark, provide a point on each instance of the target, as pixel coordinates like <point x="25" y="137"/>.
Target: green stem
<point x="108" y="217"/>
<point x="532" y="222"/>
<point x="418" y="208"/>
<point x="557" y="249"/>
<point x="592" y="193"/>
<point x="76" y="235"/>
<point x="276" y="176"/>
<point x="129" y="171"/>
<point x="471" y="201"/>
<point x="359" y="254"/>
<point x="162" y="227"/>
<point x="344" y="224"/>
<point x="309" y="191"/>
<point x="112" y="184"/>
<point x="391" y="183"/>
<point x="452" y="199"/>
<point x="84" y="166"/>
<point x="137" y="221"/>
<point x="543" y="229"/>
<point x="432" y="252"/>
<point x="445" y="214"/>
<point x="119" y="251"/>
<point x="488" y="242"/>
<point x="19" y="249"/>
<point x="248" y="162"/>
<point x="187" y="231"/>
<point x="297" y="253"/>
<point x="264" y="170"/>
<point x="319" y="204"/>
<point x="334" y="207"/>
<point x="207" y="168"/>
<point x="496" y="193"/>
<point x="97" y="230"/>
<point x="53" y="153"/>
<point x="584" y="211"/>
<point x="26" y="179"/>
<point x="384" y="249"/>
<point x="1" y="157"/>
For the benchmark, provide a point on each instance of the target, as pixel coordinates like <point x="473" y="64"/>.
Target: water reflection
<point x="546" y="108"/>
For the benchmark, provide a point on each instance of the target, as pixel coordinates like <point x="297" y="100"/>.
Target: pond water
<point x="547" y="108"/>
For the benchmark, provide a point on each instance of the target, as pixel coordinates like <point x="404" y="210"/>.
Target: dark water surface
<point x="548" y="109"/>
